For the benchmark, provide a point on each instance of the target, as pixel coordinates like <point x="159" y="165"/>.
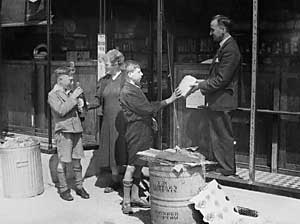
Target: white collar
<point x="224" y="40"/>
<point x="133" y="83"/>
<point x="58" y="88"/>
<point x="116" y="75"/>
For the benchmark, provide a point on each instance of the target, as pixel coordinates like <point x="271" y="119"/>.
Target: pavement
<point x="101" y="208"/>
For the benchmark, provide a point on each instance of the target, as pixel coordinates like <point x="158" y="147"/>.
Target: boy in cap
<point x="68" y="131"/>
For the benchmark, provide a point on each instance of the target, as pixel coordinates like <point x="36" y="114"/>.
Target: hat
<point x="114" y="56"/>
<point x="64" y="70"/>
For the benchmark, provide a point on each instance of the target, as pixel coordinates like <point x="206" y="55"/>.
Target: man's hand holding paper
<point x="189" y="88"/>
<point x="195" y="86"/>
<point x="185" y="86"/>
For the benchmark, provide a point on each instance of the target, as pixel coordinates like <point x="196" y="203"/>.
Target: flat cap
<point x="64" y="70"/>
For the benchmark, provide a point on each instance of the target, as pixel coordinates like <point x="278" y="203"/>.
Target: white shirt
<point x="224" y="40"/>
<point x="116" y="75"/>
<point x="133" y="83"/>
<point x="58" y="87"/>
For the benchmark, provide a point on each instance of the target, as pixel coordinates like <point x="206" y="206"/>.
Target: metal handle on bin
<point x="22" y="164"/>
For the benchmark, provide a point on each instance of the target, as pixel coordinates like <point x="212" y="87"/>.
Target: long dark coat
<point x="138" y="112"/>
<point x="112" y="144"/>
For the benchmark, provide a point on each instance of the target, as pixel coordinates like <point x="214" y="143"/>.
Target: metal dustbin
<point x="171" y="193"/>
<point x="22" y="171"/>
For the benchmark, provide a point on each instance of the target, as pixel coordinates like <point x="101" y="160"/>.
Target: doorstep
<point x="273" y="183"/>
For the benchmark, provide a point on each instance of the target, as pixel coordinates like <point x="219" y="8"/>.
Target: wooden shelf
<point x="280" y="56"/>
<point x="18" y="24"/>
<point x="130" y="38"/>
<point x="137" y="51"/>
<point x="193" y="52"/>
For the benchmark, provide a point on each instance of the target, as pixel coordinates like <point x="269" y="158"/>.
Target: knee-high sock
<point x="61" y="175"/>
<point x="77" y="168"/>
<point x="127" y="190"/>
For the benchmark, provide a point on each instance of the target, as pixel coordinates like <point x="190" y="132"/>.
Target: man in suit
<point x="68" y="131"/>
<point x="220" y="90"/>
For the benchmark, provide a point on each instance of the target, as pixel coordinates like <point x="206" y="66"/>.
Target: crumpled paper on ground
<point x="217" y="208"/>
<point x="18" y="142"/>
<point x="214" y="205"/>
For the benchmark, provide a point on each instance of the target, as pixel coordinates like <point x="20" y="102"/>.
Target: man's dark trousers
<point x="221" y="137"/>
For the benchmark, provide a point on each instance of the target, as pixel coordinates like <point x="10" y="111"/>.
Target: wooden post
<point x="275" y="131"/>
<point x="102" y="21"/>
<point x="1" y="74"/>
<point x="253" y="93"/>
<point x="284" y="76"/>
<point x="172" y="109"/>
<point x="0" y="37"/>
<point x="151" y="48"/>
<point x="100" y="16"/>
<point x="159" y="66"/>
<point x="2" y="106"/>
<point x="48" y="81"/>
<point x="104" y="16"/>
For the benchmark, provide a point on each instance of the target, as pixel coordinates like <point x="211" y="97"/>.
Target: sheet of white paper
<point x="195" y="100"/>
<point x="185" y="84"/>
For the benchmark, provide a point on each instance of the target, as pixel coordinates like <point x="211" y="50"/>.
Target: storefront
<point x="267" y="122"/>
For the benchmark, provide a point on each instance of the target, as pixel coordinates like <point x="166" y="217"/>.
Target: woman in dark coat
<point x="112" y="146"/>
<point x="138" y="112"/>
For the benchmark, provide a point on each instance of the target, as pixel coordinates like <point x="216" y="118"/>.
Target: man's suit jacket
<point x="220" y="89"/>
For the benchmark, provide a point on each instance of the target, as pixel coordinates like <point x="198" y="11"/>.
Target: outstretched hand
<point x="178" y="93"/>
<point x="175" y="95"/>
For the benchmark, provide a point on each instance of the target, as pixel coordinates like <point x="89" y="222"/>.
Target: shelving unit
<point x="192" y="50"/>
<point x="139" y="48"/>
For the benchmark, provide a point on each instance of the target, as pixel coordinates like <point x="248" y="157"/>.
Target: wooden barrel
<point x="171" y="191"/>
<point x="22" y="171"/>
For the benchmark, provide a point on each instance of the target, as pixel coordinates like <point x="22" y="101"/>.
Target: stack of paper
<point x="186" y="83"/>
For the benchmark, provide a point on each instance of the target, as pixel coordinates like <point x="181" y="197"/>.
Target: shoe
<point x="210" y="167"/>
<point x="115" y="186"/>
<point x="127" y="209"/>
<point x="82" y="193"/>
<point x="66" y="195"/>
<point x="141" y="203"/>
<point x="225" y="172"/>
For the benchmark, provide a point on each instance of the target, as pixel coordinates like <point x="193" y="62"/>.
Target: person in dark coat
<point x="138" y="112"/>
<point x="220" y="90"/>
<point x="112" y="145"/>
